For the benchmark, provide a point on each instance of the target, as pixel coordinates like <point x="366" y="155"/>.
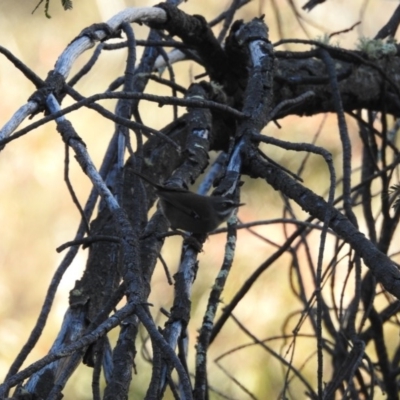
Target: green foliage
<point x="326" y="39"/>
<point x="323" y="39"/>
<point x="377" y="48"/>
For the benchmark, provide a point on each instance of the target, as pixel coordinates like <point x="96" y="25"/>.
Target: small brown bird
<point x="190" y="211"/>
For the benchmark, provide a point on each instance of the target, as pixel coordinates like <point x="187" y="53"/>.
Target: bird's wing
<point x="178" y="204"/>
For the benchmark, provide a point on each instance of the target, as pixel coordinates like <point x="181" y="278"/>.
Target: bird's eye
<point x="227" y="204"/>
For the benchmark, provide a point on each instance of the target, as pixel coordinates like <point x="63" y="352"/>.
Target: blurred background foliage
<point x="37" y="214"/>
